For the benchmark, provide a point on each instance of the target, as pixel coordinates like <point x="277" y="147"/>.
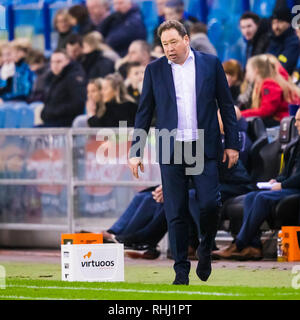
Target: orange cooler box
<point x="291" y="243"/>
<point x="81" y="238"/>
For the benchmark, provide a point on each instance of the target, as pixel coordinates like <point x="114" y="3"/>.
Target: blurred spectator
<point x="174" y="10"/>
<point x="94" y="63"/>
<point x="134" y="80"/>
<point x="74" y="47"/>
<point x="80" y="19"/>
<point x="62" y="24"/>
<point x="256" y="32"/>
<point x="271" y="92"/>
<point x="234" y="74"/>
<point x="160" y="7"/>
<point x="199" y="39"/>
<point x="39" y="66"/>
<point x="284" y="42"/>
<point x="139" y="51"/>
<point x="94" y="104"/>
<point x="17" y="76"/>
<point x="119" y="105"/>
<point x="66" y="91"/>
<point x="98" y="10"/>
<point x="123" y="26"/>
<point x="7" y="66"/>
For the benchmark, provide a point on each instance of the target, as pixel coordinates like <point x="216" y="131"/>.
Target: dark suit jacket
<point x="290" y="177"/>
<point x="212" y="92"/>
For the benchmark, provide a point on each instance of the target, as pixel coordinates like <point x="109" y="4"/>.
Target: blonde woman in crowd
<point x="94" y="104"/>
<point x="271" y="94"/>
<point x="119" y="105"/>
<point x="62" y="24"/>
<point x="94" y="63"/>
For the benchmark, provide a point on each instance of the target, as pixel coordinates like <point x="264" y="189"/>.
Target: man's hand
<point x="272" y="181"/>
<point x="158" y="194"/>
<point x="276" y="186"/>
<point x="232" y="156"/>
<point x="134" y="164"/>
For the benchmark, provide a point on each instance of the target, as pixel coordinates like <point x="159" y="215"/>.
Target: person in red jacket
<point x="272" y="91"/>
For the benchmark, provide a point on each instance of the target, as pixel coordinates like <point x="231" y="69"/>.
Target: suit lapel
<point x="199" y="70"/>
<point x="168" y="79"/>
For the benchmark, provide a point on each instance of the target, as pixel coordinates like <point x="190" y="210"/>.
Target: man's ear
<point x="186" y="39"/>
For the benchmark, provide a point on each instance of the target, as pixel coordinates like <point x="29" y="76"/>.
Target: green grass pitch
<point x="42" y="281"/>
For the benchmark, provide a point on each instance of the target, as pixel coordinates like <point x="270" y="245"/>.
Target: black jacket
<point x="260" y="42"/>
<point x="65" y="96"/>
<point x="290" y="177"/>
<point x="63" y="38"/>
<point x="119" y="30"/>
<point x="286" y="48"/>
<point x="115" y="112"/>
<point x="96" y="65"/>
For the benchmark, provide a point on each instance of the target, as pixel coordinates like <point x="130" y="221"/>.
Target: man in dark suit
<point x="185" y="88"/>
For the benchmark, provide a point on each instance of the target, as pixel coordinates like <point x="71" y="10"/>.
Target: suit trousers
<point x="175" y="184"/>
<point x="258" y="205"/>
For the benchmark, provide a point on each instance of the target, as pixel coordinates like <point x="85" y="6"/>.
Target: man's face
<point x="297" y="123"/>
<point x="58" y="62"/>
<point x="122" y="6"/>
<point x="160" y="5"/>
<point x="96" y="10"/>
<point x="279" y="26"/>
<point x="74" y="51"/>
<point x="248" y="28"/>
<point x="135" y="53"/>
<point x="172" y="14"/>
<point x="136" y="75"/>
<point x="175" y="47"/>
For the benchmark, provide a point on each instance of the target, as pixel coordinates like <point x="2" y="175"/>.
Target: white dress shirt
<point x="184" y="77"/>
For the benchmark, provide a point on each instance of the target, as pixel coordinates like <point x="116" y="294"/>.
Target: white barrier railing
<point x="51" y="178"/>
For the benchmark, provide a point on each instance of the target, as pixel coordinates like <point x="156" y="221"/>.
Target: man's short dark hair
<point x="172" y="24"/>
<point x="63" y="51"/>
<point x="250" y="15"/>
<point x="131" y="65"/>
<point x="74" y="38"/>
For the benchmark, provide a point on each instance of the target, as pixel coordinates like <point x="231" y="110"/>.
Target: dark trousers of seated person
<point x="258" y="206"/>
<point x="143" y="222"/>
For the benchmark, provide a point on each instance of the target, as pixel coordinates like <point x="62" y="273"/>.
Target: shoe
<point x="192" y="253"/>
<point x="181" y="278"/>
<point x="203" y="269"/>
<point x="109" y="237"/>
<point x="248" y="253"/>
<point x="149" y="254"/>
<point x="225" y="253"/>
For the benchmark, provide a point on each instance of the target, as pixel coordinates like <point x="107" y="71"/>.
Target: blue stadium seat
<point x="10" y="116"/>
<point x="148" y="8"/>
<point x="263" y="8"/>
<point x="26" y="117"/>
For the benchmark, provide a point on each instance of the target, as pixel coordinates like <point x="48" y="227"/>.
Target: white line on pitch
<point x="149" y="291"/>
<point x="31" y="298"/>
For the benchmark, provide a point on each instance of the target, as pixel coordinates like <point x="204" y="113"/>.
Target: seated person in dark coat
<point x="94" y="63"/>
<point x="123" y="26"/>
<point x="119" y="105"/>
<point x="284" y="42"/>
<point x="65" y="94"/>
<point x="258" y="206"/>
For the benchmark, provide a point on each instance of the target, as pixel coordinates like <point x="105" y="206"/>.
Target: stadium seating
<point x="287" y="211"/>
